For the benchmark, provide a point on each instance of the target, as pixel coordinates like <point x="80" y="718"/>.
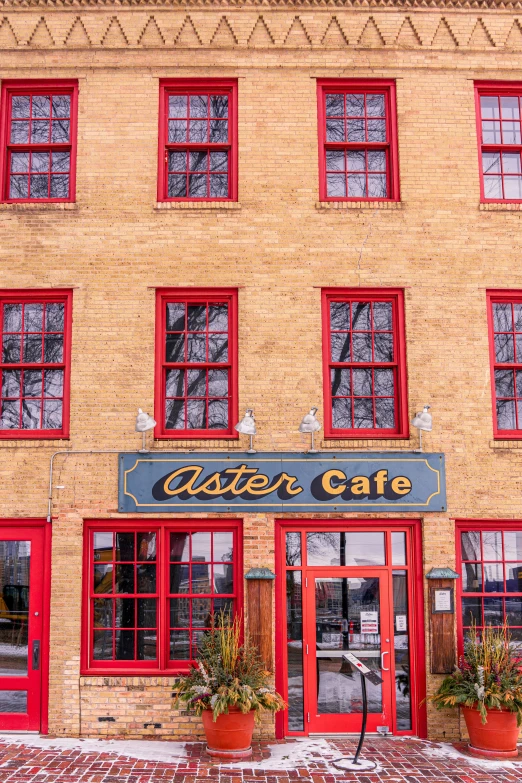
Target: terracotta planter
<point x="497" y="737"/>
<point x="230" y="737"/>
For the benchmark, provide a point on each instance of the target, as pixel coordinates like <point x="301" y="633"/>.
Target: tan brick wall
<point x="280" y="247"/>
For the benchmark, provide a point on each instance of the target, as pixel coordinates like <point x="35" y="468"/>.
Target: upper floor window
<point x="500" y="141"/>
<point x="196" y="369"/>
<point x="358" y="155"/>
<point x="505" y="324"/>
<point x="364" y="365"/>
<point x="198" y="140"/>
<point x="35" y="364"/>
<point x="39" y="140"/>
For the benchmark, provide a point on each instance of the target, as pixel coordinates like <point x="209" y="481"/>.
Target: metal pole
<point x="365" y="715"/>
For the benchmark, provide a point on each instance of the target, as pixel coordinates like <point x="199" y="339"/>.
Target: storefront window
<point x="491" y="583"/>
<point x="153" y="593"/>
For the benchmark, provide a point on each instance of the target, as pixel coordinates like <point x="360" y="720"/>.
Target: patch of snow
<point x="143" y="750"/>
<point x="443" y="750"/>
<point x="302" y="752"/>
<point x="449" y="752"/>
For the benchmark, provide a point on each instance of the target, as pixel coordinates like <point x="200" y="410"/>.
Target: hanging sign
<point x="277" y="482"/>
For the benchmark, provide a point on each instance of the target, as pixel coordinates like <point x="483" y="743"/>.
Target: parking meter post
<point x="364" y="717"/>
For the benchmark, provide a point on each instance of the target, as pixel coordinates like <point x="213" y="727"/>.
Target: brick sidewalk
<point x="399" y="761"/>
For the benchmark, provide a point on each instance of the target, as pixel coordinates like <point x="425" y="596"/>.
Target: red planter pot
<point x="498" y="737"/>
<point x="230" y="736"/>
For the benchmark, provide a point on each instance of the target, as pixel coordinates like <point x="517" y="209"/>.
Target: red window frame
<point x="390" y="146"/>
<point x="162" y="527"/>
<point x="512" y="298"/>
<point x="483" y="526"/>
<point x="500" y="90"/>
<point x="37" y="87"/>
<point x="196" y="296"/>
<point x="44" y="296"/>
<point x="396" y="297"/>
<point x="197" y="87"/>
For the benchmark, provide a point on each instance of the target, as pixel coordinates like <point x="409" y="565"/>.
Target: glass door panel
<point x="15" y="561"/>
<point x="21" y="588"/>
<point x="350" y="613"/>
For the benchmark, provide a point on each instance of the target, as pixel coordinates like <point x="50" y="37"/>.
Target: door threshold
<point x="348" y="734"/>
<point x="15" y="733"/>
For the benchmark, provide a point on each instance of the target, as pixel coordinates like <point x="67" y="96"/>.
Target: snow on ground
<point x="448" y="752"/>
<point x="299" y="753"/>
<point x="168" y="752"/>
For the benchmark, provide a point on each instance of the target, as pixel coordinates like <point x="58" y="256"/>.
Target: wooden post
<point x="259" y="612"/>
<point x="443" y="651"/>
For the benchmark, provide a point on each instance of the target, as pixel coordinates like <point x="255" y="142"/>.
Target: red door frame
<point x="388" y="693"/>
<point x="17" y="527"/>
<point x="416" y="612"/>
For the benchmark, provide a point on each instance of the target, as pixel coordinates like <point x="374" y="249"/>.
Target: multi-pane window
<point x="364" y="363"/>
<point x="40" y="140"/>
<point x="34" y="364"/>
<point x="500" y="144"/>
<point x="506" y="361"/>
<point x="201" y="574"/>
<point x="491" y="578"/>
<point x="198" y="141"/>
<point x="125" y="596"/>
<point x="197" y="364"/>
<point x="358" y="146"/>
<point x="152" y="592"/>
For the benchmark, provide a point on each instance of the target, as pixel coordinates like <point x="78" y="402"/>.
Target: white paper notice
<point x="369" y="622"/>
<point x="400" y="622"/>
<point x="443" y="600"/>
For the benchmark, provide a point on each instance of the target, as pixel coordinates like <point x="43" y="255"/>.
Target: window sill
<point x="505" y="444"/>
<point x="499" y="206"/>
<point x="131" y="681"/>
<point x="34" y="443"/>
<point x="358" y="205"/>
<point x="54" y="206"/>
<point x="377" y="445"/>
<point x="160" y="206"/>
<point x="193" y="445"/>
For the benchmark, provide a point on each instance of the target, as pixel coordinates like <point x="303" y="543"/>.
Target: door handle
<point x="36" y="655"/>
<point x="384" y="669"/>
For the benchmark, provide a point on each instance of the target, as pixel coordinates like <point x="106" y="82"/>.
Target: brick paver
<point x="404" y="761"/>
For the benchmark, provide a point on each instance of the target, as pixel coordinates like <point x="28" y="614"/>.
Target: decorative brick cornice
<point x="399" y="5"/>
<point x="69" y="24"/>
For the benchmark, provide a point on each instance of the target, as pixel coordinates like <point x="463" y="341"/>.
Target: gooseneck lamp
<point x="144" y="423"/>
<point x="312" y="425"/>
<point x="247" y="426"/>
<point x="423" y="422"/>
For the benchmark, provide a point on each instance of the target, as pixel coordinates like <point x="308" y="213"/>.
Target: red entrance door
<point x="348" y="612"/>
<point x="350" y="587"/>
<point x="21" y="626"/>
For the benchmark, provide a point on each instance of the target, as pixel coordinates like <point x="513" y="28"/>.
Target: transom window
<point x="152" y="592"/>
<point x="506" y="359"/>
<point x="491" y="589"/>
<point x="197" y="368"/>
<point x="198" y="132"/>
<point x="364" y="363"/>
<point x="40" y="134"/>
<point x="358" y="140"/>
<point x="34" y="364"/>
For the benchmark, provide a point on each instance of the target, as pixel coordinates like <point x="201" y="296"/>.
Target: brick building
<point x="209" y="207"/>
